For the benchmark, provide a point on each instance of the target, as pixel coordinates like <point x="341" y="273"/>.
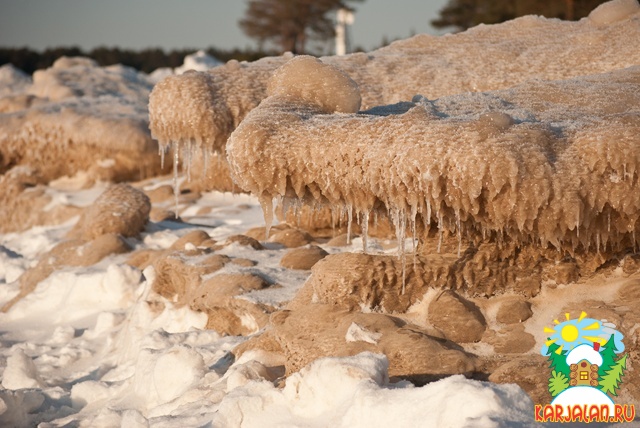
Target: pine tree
<point x="558" y="362"/>
<point x="558" y="382"/>
<point x="608" y="357"/>
<point x="612" y="378"/>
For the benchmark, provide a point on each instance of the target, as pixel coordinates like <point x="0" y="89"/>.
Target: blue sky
<point x="170" y="24"/>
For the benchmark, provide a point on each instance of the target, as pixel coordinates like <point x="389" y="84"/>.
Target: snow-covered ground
<point x="87" y="348"/>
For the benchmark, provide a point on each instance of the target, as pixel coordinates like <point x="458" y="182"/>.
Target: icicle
<point x="399" y="221"/>
<point x="459" y="232"/>
<point x="188" y="157"/>
<point x="266" y="202"/>
<point x="365" y="230"/>
<point x="205" y="155"/>
<point x="286" y="206"/>
<point x="162" y="148"/>
<point x="297" y="211"/>
<point x="176" y="186"/>
<point x="350" y="215"/>
<point x="334" y="221"/>
<point x="440" y="231"/>
<point x="414" y="213"/>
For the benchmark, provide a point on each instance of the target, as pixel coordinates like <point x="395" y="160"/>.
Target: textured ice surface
<point x="77" y="77"/>
<point x="12" y="80"/>
<point x="77" y="115"/>
<point x="307" y="78"/>
<point x="486" y="57"/>
<point x="614" y="11"/>
<point x="550" y="162"/>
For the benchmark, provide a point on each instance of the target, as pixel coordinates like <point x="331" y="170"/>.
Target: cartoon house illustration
<point x="584" y="361"/>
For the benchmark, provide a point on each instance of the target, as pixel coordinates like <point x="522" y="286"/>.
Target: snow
<point x="199" y="61"/>
<point x="584" y="352"/>
<point x="356" y="332"/>
<point x="91" y="347"/>
<point x="354" y="391"/>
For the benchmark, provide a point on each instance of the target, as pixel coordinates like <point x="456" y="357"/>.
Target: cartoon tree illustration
<point x="608" y="353"/>
<point x="612" y="378"/>
<point x="558" y="360"/>
<point x="558" y="382"/>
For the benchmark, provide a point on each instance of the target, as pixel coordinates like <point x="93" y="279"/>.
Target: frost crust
<point x="544" y="162"/>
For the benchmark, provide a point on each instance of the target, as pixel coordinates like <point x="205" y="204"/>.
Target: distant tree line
<point x="145" y="60"/>
<point x="463" y="14"/>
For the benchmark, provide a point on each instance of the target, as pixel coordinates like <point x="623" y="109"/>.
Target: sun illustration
<point x="573" y="332"/>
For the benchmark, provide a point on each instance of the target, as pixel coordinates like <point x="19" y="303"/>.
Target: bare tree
<point x="291" y="23"/>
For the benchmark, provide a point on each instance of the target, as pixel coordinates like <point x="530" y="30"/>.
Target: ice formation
<point x="12" y="80"/>
<point x="486" y="57"/>
<point x="82" y="77"/>
<point x="79" y="116"/>
<point x="547" y="162"/>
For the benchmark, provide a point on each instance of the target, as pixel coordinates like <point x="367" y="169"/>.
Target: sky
<point x="178" y="24"/>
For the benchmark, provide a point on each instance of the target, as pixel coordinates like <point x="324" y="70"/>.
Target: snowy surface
<point x="199" y="61"/>
<point x="88" y="348"/>
<point x="584" y="352"/>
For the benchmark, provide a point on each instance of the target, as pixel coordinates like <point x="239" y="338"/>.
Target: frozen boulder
<point x="552" y="162"/>
<point x="121" y="209"/>
<point x="319" y="330"/>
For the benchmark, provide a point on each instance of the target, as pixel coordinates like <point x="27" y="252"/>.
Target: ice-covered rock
<point x="77" y="116"/>
<point x="298" y="80"/>
<point x="459" y="319"/>
<point x="315" y="331"/>
<point x="547" y="162"/>
<point x="486" y="57"/>
<point x="24" y="201"/>
<point x="121" y="209"/>
<point x="73" y="77"/>
<point x="612" y="11"/>
<point x="13" y="80"/>
<point x="303" y="258"/>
